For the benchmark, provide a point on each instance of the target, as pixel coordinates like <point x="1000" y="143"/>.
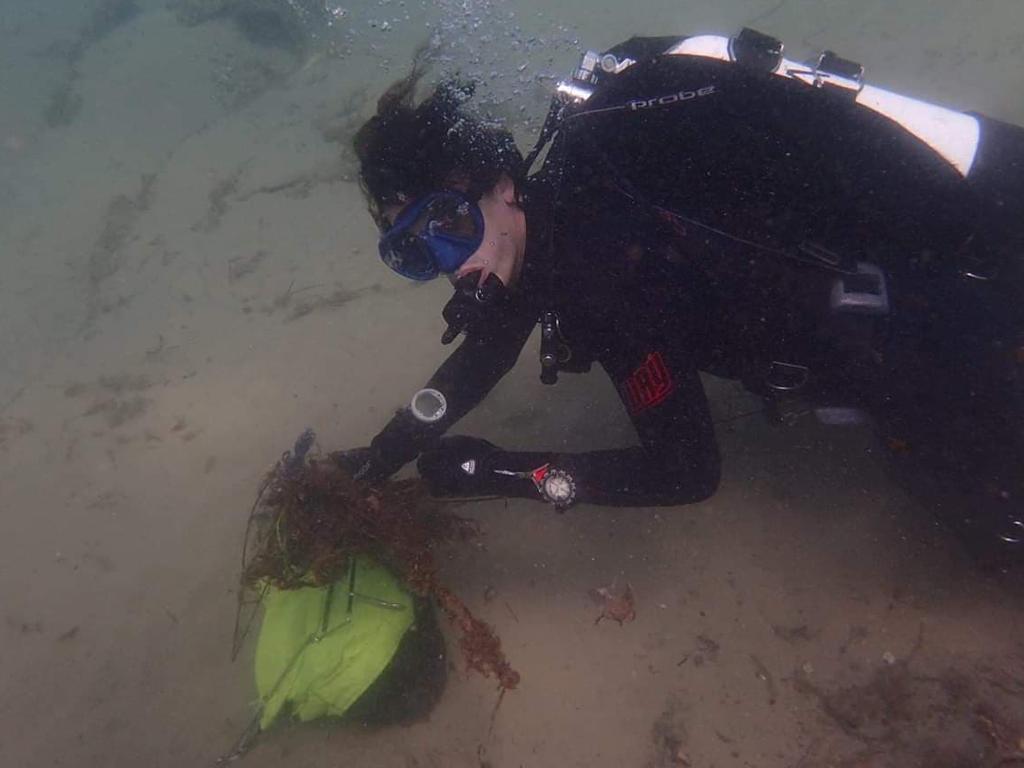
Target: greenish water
<point x="189" y="279"/>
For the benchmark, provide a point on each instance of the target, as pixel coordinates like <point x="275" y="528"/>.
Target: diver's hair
<point x="407" y="150"/>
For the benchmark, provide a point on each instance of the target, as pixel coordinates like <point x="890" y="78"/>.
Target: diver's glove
<point x="362" y="463"/>
<point x="468" y="466"/>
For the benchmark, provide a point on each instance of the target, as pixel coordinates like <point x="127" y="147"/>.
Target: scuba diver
<point x="707" y="205"/>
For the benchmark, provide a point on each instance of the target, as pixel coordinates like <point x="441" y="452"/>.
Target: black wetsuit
<point x="708" y="233"/>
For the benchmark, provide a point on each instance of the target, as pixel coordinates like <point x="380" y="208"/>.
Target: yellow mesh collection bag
<point x="320" y="648"/>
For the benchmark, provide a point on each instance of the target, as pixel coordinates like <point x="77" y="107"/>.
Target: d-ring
<point x="1017" y="527"/>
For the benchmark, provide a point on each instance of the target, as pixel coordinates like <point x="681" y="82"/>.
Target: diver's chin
<point x="478" y="276"/>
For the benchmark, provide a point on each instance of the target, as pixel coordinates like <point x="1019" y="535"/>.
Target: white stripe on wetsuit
<point x="953" y="135"/>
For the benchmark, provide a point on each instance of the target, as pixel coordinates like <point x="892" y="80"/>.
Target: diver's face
<point x="503" y="249"/>
<point x="504" y="246"/>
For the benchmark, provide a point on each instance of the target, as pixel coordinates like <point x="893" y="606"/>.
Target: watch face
<point x="558" y="486"/>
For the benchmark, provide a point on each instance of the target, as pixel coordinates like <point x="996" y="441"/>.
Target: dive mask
<point x="433" y="235"/>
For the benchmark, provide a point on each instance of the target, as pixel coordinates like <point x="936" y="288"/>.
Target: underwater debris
<point x="669" y="739"/>
<point x="617" y="606"/>
<point x="934" y="716"/>
<point x="241" y="266"/>
<point x="311" y="517"/>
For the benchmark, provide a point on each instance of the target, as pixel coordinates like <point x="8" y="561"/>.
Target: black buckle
<point x="833" y="71"/>
<point x="787" y="377"/>
<point x="553" y="350"/>
<point x="834" y="64"/>
<point x="756" y="50"/>
<point x="471" y="302"/>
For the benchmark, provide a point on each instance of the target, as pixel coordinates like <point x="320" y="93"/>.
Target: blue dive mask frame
<point x="433" y="235"/>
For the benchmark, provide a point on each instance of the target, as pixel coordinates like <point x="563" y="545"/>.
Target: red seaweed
<point x="311" y="517"/>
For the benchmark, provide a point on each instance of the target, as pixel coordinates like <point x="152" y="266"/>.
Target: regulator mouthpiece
<point x="428" y="405"/>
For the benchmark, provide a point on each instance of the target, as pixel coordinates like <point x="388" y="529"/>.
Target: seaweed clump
<point x="310" y="517"/>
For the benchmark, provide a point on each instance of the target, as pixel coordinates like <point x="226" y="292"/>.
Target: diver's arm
<point x="652" y="366"/>
<point x="485" y="355"/>
<point x="677" y="461"/>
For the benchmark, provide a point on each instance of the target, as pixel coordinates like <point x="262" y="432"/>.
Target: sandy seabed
<point x="189" y="280"/>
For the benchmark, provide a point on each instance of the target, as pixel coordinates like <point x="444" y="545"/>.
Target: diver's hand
<point x="361" y="463"/>
<point x="458" y="466"/>
<point x="469" y="466"/>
